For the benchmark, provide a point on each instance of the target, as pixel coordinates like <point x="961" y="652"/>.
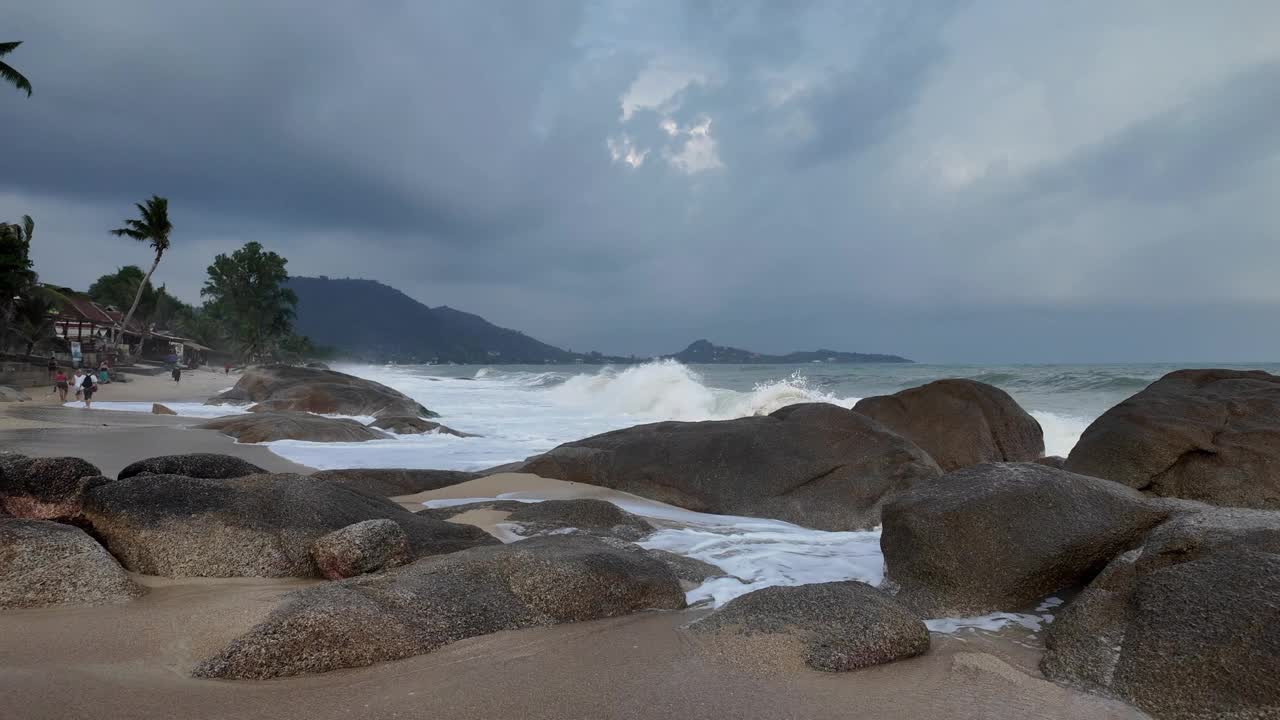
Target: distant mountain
<point x="366" y="320"/>
<point x="703" y="351"/>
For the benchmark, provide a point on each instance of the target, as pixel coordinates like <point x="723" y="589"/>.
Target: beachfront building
<point x="84" y="328"/>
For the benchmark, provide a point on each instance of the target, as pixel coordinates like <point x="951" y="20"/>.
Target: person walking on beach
<point x="60" y="384"/>
<point x="53" y="366"/>
<point x="78" y="382"/>
<point x="88" y="386"/>
<point x="177" y="373"/>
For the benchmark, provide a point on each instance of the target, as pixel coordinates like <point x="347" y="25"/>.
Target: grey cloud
<point x="459" y="152"/>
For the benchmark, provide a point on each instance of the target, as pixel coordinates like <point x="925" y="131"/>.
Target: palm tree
<point x="8" y="73"/>
<point x="154" y="228"/>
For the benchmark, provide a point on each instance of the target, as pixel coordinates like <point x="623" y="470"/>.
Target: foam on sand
<point x="755" y="553"/>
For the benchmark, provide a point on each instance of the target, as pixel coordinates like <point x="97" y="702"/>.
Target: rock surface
<point x="1001" y="536"/>
<point x="43" y="488"/>
<point x="317" y="390"/>
<point x="687" y="569"/>
<point x="1053" y="461"/>
<point x="960" y="422"/>
<point x="1207" y="435"/>
<point x="437" y="601"/>
<point x="836" y="626"/>
<point x="44" y="564"/>
<point x="414" y="425"/>
<point x="1184" y="627"/>
<point x="255" y="526"/>
<point x="360" y="548"/>
<point x="158" y="409"/>
<point x="392" y="482"/>
<point x="594" y="517"/>
<point x="196" y="465"/>
<point x="812" y="464"/>
<point x="268" y="426"/>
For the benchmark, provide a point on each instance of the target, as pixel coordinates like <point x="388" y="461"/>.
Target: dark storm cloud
<point x="976" y="181"/>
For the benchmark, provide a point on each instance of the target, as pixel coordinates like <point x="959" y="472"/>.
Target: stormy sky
<point x="976" y="181"/>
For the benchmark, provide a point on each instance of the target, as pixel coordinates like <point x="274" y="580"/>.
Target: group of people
<point x="84" y="383"/>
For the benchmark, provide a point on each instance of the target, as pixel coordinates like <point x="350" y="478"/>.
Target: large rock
<point x="1208" y="435"/>
<point x="1188" y="626"/>
<point x="812" y="464"/>
<point x="414" y="425"/>
<point x="46" y="563"/>
<point x="434" y="602"/>
<point x="317" y="390"/>
<point x="836" y="626"/>
<point x="595" y="517"/>
<point x="960" y="422"/>
<point x="1001" y="536"/>
<point x="256" y="526"/>
<point x="12" y="394"/>
<point x="391" y="482"/>
<point x="196" y="465"/>
<point x="364" y="547"/>
<point x="43" y="488"/>
<point x="269" y="426"/>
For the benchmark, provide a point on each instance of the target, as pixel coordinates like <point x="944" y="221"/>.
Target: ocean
<point x="519" y="411"/>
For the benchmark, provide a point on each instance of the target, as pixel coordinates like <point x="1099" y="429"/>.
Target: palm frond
<point x="16" y="78"/>
<point x="130" y="233"/>
<point x="8" y="47"/>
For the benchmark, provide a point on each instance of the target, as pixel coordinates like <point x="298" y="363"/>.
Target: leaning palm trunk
<point x="136" y="299"/>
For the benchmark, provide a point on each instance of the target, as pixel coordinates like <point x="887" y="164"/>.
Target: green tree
<point x="17" y="279"/>
<point x="120" y="287"/>
<point x="152" y="227"/>
<point x="13" y="77"/>
<point x="34" y="320"/>
<point x="247" y="295"/>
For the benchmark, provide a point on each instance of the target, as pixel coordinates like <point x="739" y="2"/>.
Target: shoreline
<point x="112" y="439"/>
<point x="134" y="659"/>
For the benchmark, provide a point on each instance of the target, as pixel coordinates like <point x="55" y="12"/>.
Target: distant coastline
<point x="705" y="352"/>
<point x="367" y="321"/>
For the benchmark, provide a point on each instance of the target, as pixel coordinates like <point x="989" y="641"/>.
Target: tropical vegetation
<point x="8" y="73"/>
<point x="151" y="227"/>
<point x="246" y="294"/>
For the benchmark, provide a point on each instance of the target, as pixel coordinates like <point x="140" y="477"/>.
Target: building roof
<point x="81" y="308"/>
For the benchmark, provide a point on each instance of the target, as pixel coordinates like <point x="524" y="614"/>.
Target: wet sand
<point x="132" y="660"/>
<point x="112" y="439"/>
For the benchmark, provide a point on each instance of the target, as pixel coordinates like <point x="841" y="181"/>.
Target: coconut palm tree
<point x="152" y="227"/>
<point x="8" y="73"/>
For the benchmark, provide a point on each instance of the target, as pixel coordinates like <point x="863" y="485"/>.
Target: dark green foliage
<point x="246" y="293"/>
<point x="8" y="73"/>
<point x="157" y="308"/>
<point x="371" y="321"/>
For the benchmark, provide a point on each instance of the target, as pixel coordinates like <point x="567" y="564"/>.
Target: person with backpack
<point x="88" y="386"/>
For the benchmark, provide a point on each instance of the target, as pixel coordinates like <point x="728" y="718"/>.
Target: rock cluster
<point x="43" y="564"/>
<point x="1208" y="435"/>
<point x="255" y="526"/>
<point x="960" y="422"/>
<point x="437" y="601"/>
<point x="261" y="427"/>
<point x="391" y="482"/>
<point x="317" y="390"/>
<point x="812" y="464"/>
<point x="836" y="626"/>
<point x="43" y="488"/>
<point x="194" y="465"/>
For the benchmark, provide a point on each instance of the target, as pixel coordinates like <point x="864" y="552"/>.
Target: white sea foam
<point x="757" y="553"/>
<point x="1061" y="432"/>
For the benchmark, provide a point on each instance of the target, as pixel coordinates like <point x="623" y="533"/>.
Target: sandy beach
<point x="133" y="660"/>
<point x="112" y="439"/>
